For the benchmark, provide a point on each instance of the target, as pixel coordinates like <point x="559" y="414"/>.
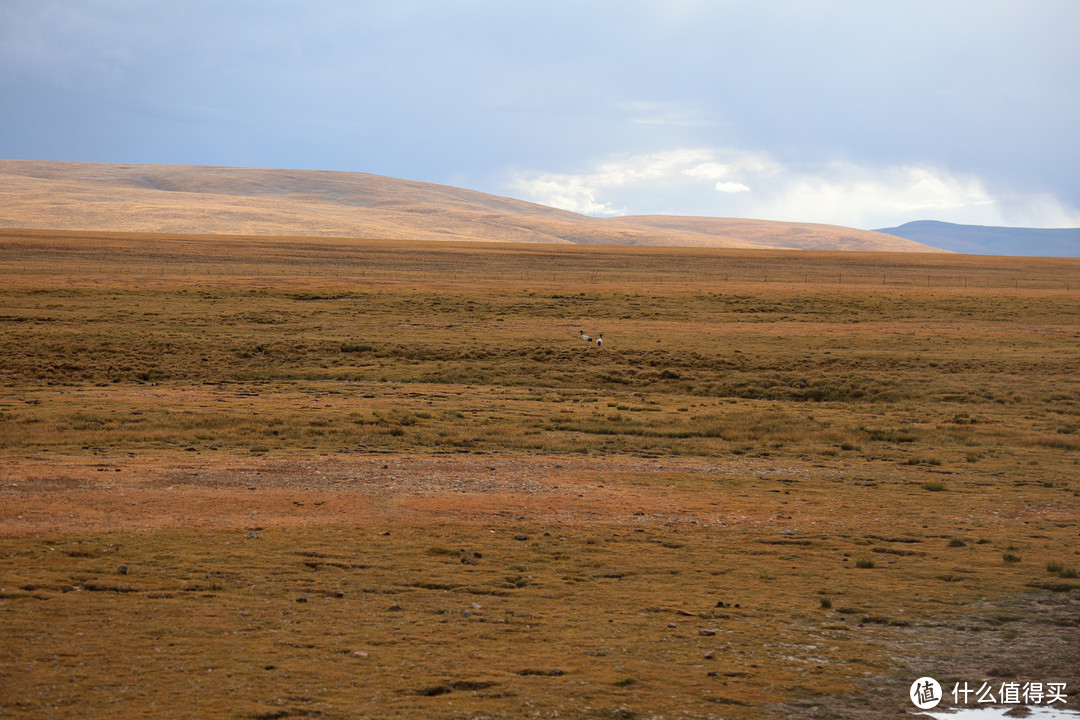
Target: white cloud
<point x="566" y="192"/>
<point x="655" y="166"/>
<point x="709" y="171"/>
<point x="848" y="194"/>
<point x="601" y="189"/>
<point x="729" y="182"/>
<point x="578" y="192"/>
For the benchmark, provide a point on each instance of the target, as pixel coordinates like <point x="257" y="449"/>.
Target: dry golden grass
<point x="192" y="199"/>
<point x="375" y="479"/>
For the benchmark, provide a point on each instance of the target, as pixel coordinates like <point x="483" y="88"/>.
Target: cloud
<point x="578" y="192"/>
<point x="566" y="192"/>
<point x="709" y="171"/>
<point x="731" y="182"/>
<point x="617" y="186"/>
<point x="848" y="194"/>
<point x="875" y="197"/>
<point x="738" y="162"/>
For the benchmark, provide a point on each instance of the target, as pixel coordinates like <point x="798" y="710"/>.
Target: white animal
<point x="600" y="340"/>
<point x="585" y="337"/>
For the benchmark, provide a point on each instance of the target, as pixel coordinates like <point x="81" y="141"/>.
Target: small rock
<point x="301" y="599"/>
<point x="385" y="532"/>
<point x="251" y="535"/>
<point x="359" y="653"/>
<point x="685" y="613"/>
<point x="710" y="655"/>
<point x="706" y="632"/>
<point x="122" y="569"/>
<point x="394" y="608"/>
<point x="672" y="626"/>
<point x="521" y="537"/>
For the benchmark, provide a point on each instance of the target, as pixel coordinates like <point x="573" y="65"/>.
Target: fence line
<point x="589" y="278"/>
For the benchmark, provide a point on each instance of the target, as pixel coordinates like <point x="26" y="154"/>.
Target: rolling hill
<point x="987" y="240"/>
<point x="234" y="201"/>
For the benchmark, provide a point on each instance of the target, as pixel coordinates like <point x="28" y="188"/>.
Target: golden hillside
<point x="230" y="201"/>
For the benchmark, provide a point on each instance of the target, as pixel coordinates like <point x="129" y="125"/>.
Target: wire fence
<point x="223" y="273"/>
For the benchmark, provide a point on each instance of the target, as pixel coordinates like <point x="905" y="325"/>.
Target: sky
<point x="851" y="112"/>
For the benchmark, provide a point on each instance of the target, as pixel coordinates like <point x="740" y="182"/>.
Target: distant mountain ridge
<point x="990" y="240"/>
<point x="247" y="201"/>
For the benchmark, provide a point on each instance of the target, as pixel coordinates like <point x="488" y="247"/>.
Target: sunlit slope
<point x="216" y="200"/>
<point x="719" y="232"/>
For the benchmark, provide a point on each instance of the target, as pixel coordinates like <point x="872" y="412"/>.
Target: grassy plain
<point x="289" y="477"/>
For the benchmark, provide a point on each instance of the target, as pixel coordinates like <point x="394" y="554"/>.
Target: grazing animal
<point x="585" y="337"/>
<point x="600" y="340"/>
